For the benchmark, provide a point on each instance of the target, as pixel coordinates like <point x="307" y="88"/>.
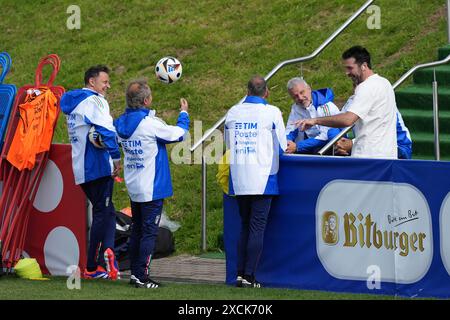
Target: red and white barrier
<point x="57" y="229"/>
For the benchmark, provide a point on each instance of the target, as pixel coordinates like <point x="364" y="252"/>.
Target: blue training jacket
<point x="85" y="108"/>
<point x="143" y="138"/>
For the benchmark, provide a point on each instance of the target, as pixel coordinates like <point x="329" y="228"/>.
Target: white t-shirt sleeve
<point x="362" y="101"/>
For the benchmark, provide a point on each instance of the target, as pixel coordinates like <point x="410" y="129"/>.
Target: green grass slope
<point x="221" y="44"/>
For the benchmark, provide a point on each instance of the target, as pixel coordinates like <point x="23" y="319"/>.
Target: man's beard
<point x="304" y="105"/>
<point x="356" y="80"/>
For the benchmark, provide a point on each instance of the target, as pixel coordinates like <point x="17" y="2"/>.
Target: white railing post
<point x="437" y="149"/>
<point x="204" y="201"/>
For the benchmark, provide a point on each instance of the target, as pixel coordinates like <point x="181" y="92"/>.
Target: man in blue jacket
<point x="143" y="138"/>
<point x="255" y="136"/>
<point x="308" y="104"/>
<point x="94" y="167"/>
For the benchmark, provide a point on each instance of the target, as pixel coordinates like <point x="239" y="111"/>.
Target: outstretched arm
<point x="169" y="134"/>
<point x="338" y="121"/>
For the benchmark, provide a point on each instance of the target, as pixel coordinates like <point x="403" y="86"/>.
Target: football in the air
<point x="96" y="138"/>
<point x="168" y="70"/>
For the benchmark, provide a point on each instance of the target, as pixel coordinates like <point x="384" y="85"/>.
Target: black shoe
<point x="149" y="284"/>
<point x="133" y="279"/>
<point x="239" y="281"/>
<point x="250" y="283"/>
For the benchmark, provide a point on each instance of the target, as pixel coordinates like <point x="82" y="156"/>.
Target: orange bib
<point x="34" y="130"/>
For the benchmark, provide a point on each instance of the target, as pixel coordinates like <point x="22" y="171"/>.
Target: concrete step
<point x="422" y="120"/>
<point x="423" y="143"/>
<point x="186" y="269"/>
<point x="421" y="97"/>
<point x="443" y="52"/>
<point x="426" y="76"/>
<point x="429" y="157"/>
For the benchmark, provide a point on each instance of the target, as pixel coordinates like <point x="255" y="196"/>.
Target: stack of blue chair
<point x="7" y="95"/>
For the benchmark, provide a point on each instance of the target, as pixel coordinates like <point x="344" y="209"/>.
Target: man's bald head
<point x="137" y="92"/>
<point x="257" y="86"/>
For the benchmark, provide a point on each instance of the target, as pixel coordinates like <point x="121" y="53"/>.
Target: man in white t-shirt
<point x="404" y="142"/>
<point x="373" y="110"/>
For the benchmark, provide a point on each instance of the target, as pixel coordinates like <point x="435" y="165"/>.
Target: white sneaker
<point x="133" y="279"/>
<point x="149" y="284"/>
<point x="239" y="281"/>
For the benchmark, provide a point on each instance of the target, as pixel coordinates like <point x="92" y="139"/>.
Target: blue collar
<point x="141" y="109"/>
<point x="322" y="96"/>
<point x="95" y="92"/>
<point x="254" y="99"/>
<point x="127" y="123"/>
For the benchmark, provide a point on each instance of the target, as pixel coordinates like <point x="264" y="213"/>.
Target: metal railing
<point x="289" y="62"/>
<point x="281" y="65"/>
<point x="395" y="85"/>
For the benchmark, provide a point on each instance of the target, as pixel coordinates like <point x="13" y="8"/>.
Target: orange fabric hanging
<point x="35" y="129"/>
<point x="50" y="117"/>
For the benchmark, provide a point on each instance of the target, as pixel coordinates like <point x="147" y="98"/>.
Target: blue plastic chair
<point x="7" y="95"/>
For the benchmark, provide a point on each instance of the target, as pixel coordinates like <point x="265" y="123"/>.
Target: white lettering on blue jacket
<point x="317" y="136"/>
<point x="85" y="108"/>
<point x="255" y="134"/>
<point x="143" y="138"/>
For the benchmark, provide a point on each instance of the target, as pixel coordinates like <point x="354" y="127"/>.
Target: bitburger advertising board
<point x="354" y="225"/>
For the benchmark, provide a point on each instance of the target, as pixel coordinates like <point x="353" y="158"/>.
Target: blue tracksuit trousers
<point x="254" y="210"/>
<point x="99" y="192"/>
<point x="145" y="217"/>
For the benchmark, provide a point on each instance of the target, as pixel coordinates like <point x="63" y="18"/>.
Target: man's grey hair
<point x="296" y="81"/>
<point x="137" y="92"/>
<point x="257" y="86"/>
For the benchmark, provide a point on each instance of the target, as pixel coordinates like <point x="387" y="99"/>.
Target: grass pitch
<point x="13" y="288"/>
